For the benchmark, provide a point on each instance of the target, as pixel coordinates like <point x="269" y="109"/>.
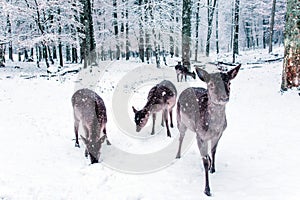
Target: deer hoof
<point x="178" y="156"/>
<point x="77" y="145"/>
<point x="212" y="170"/>
<point x="108" y="142"/>
<point x="169" y="134"/>
<point x="207" y="192"/>
<point x="172" y="126"/>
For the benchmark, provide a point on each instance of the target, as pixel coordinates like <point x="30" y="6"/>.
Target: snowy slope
<point x="257" y="157"/>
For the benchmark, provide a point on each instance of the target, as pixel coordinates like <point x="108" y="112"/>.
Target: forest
<point x="59" y="31"/>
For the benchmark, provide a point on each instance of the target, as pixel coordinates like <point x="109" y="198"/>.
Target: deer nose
<point x="138" y="128"/>
<point x="225" y="98"/>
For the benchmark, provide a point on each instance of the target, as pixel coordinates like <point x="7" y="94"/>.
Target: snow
<point x="257" y="157"/>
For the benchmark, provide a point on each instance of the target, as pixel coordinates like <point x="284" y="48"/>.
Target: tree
<point x="116" y="29"/>
<point x="186" y="32"/>
<point x="141" y="31"/>
<point x="88" y="43"/>
<point x="211" y="5"/>
<point x="291" y="63"/>
<point x="272" y="26"/>
<point x="217" y="27"/>
<point x="197" y="30"/>
<point x="236" y="29"/>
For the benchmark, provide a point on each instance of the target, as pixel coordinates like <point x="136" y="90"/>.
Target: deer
<point x="90" y="110"/>
<point x="183" y="71"/>
<point x="203" y="111"/>
<point x="162" y="97"/>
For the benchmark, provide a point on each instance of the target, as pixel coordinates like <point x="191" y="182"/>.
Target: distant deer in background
<point x="203" y="111"/>
<point x="89" y="109"/>
<point x="183" y="71"/>
<point x="161" y="97"/>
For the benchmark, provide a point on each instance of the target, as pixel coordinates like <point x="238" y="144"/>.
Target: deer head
<point x="93" y="148"/>
<point x="141" y="118"/>
<point x="218" y="84"/>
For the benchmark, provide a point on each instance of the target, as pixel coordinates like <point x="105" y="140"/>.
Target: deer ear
<point x="85" y="141"/>
<point x="232" y="73"/>
<point x="202" y="74"/>
<point x="102" y="139"/>
<point x="134" y="110"/>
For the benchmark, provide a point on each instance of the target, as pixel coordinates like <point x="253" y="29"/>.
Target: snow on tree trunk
<point x="211" y="5"/>
<point x="236" y="29"/>
<point x="186" y="32"/>
<point x="116" y="29"/>
<point x="197" y="30"/>
<point x="291" y="63"/>
<point x="127" y="32"/>
<point x="217" y="27"/>
<point x="2" y="55"/>
<point x="272" y="26"/>
<point x="88" y="44"/>
<point x="10" y="47"/>
<point x="141" y="32"/>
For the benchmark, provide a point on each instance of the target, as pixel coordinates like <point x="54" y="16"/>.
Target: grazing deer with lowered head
<point x="183" y="71"/>
<point x="89" y="109"/>
<point x="203" y="111"/>
<point x="161" y="97"/>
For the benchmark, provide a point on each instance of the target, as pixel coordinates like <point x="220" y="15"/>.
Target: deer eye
<point x="211" y="85"/>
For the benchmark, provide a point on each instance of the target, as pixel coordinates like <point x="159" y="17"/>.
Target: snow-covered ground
<point x="257" y="157"/>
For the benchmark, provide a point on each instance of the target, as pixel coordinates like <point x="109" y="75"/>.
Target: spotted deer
<point x="89" y="109"/>
<point x="203" y="112"/>
<point x="161" y="97"/>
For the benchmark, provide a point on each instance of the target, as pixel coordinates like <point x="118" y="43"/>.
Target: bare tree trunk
<point x="141" y="32"/>
<point x="54" y="53"/>
<point x="217" y="27"/>
<point x="10" y="48"/>
<point x="265" y="32"/>
<point x="25" y="55"/>
<point x="291" y="64"/>
<point x="127" y="32"/>
<point x="147" y="35"/>
<point x="232" y="25"/>
<point x="116" y="29"/>
<point x="210" y="15"/>
<point x="197" y="30"/>
<point x="236" y="30"/>
<point x="272" y="26"/>
<point x="2" y="55"/>
<point x="50" y="55"/>
<point x="68" y="53"/>
<point x="60" y="54"/>
<point x="88" y="44"/>
<point x="74" y="55"/>
<point x="186" y="33"/>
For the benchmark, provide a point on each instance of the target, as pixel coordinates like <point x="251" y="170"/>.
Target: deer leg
<point x="162" y="119"/>
<point x="165" y="113"/>
<point x="213" y="154"/>
<point x="171" y="118"/>
<point x="206" y="163"/>
<point x="202" y="145"/>
<point x="76" y="126"/>
<point x="107" y="141"/>
<point x="182" y="130"/>
<point x="86" y="153"/>
<point x="153" y="124"/>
